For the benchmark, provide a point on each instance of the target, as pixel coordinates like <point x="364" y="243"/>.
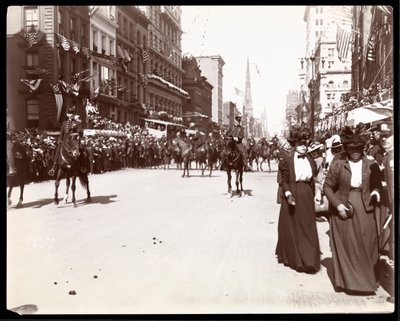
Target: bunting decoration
<point x="64" y="42"/>
<point x="75" y="47"/>
<point x="91" y="108"/>
<point x="127" y="56"/>
<point x="32" y="84"/>
<point x="86" y="52"/>
<point x="33" y="38"/>
<point x="75" y="77"/>
<point x="59" y="99"/>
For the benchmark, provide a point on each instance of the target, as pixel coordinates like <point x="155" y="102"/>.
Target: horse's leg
<point x="238" y="191"/>
<point x="241" y="182"/>
<point x="262" y="161"/>
<point x="57" y="184"/>
<point x="187" y="166"/>
<point x="21" y="195"/>
<point x="67" y="184"/>
<point x="269" y="166"/>
<point x="9" y="195"/>
<point x="73" y="188"/>
<point x="228" y="172"/>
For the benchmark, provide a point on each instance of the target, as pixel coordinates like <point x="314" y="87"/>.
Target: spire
<point x="247" y="93"/>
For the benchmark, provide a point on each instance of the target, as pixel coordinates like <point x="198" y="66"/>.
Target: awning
<point x="370" y="113"/>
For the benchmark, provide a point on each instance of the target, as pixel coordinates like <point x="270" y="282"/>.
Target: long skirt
<point x="354" y="244"/>
<point x="298" y="245"/>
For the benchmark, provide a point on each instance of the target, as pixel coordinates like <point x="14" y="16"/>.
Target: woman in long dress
<point x="298" y="245"/>
<point x="352" y="188"/>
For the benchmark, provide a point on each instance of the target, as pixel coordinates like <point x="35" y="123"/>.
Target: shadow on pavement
<point x="386" y="276"/>
<point x="35" y="204"/>
<point x="328" y="264"/>
<point x="99" y="200"/>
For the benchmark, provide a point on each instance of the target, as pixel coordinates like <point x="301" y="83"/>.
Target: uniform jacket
<point x="69" y="126"/>
<point x="288" y="175"/>
<point x="238" y="131"/>
<point x="337" y="182"/>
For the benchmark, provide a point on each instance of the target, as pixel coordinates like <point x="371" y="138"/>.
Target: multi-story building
<point x="36" y="60"/>
<point x="331" y="76"/>
<point x="197" y="108"/>
<point x="293" y="100"/>
<point x="211" y="67"/>
<point x="103" y="34"/>
<point x="228" y="113"/>
<point x="164" y="71"/>
<point x="131" y="42"/>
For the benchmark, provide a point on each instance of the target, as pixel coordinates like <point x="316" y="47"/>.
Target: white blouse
<point x="356" y="173"/>
<point x="302" y="168"/>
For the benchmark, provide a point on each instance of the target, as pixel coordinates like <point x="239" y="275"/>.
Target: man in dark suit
<point x="237" y="132"/>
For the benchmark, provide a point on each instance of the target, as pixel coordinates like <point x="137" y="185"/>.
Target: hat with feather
<point x="299" y="134"/>
<point x="354" y="137"/>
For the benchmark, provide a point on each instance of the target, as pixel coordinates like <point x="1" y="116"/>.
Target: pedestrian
<point x="298" y="244"/>
<point x="352" y="188"/>
<point x="284" y="152"/>
<point x="10" y="145"/>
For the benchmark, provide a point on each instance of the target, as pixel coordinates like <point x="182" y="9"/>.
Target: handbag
<point x="323" y="206"/>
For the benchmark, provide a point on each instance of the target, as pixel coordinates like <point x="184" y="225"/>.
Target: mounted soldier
<point x="10" y="146"/>
<point x="69" y="126"/>
<point x="237" y="132"/>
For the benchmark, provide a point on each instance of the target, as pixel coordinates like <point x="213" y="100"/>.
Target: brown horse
<point x="186" y="151"/>
<point x="232" y="160"/>
<point x="264" y="153"/>
<point x="70" y="165"/>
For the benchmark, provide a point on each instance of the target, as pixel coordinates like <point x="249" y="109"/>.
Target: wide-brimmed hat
<point x="354" y="137"/>
<point x="313" y="147"/>
<point x="385" y="130"/>
<point x="300" y="133"/>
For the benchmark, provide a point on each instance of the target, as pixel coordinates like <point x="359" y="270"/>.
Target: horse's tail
<point x="83" y="179"/>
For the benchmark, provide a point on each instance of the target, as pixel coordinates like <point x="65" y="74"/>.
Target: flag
<point x="75" y="77"/>
<point x="33" y="38"/>
<point x="120" y="52"/>
<point x="32" y="84"/>
<point x="385" y="9"/>
<point x="75" y="89"/>
<point x="343" y="42"/>
<point x="127" y="56"/>
<point x="371" y="61"/>
<point x="86" y="52"/>
<point x="371" y="48"/>
<point x="145" y="55"/>
<point x="59" y="99"/>
<point x="75" y="47"/>
<point x="238" y="92"/>
<point x="342" y="15"/>
<point x="64" y="42"/>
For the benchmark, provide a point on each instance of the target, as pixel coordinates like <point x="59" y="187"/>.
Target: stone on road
<point x="153" y="242"/>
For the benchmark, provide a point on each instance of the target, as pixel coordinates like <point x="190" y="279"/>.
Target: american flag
<point x="343" y="42"/>
<point x="371" y="48"/>
<point x="64" y="42"/>
<point x="145" y="55"/>
<point x="32" y="84"/>
<point x="59" y="99"/>
<point x="75" y="47"/>
<point x="86" y="52"/>
<point x="33" y="38"/>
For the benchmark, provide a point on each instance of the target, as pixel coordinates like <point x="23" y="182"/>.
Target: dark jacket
<point x="288" y="175"/>
<point x="337" y="182"/>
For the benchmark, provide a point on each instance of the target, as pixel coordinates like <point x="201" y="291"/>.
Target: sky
<point x="272" y="37"/>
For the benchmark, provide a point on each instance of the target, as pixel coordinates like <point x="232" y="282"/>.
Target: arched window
<point x="345" y="84"/>
<point x="331" y="84"/>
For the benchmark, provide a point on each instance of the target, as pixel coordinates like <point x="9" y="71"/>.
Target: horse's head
<point x="70" y="150"/>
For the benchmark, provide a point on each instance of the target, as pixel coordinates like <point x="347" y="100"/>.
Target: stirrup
<point x="51" y="172"/>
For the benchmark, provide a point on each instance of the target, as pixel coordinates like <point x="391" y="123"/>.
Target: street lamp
<point x="312" y="87"/>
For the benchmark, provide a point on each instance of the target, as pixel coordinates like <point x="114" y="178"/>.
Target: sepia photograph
<point x="190" y="160"/>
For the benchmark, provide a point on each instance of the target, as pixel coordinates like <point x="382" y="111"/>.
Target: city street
<point x="151" y="242"/>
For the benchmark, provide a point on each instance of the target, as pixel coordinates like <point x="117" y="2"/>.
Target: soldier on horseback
<point x="69" y="126"/>
<point x="237" y="132"/>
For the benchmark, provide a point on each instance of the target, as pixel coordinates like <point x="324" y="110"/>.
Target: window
<point x="31" y="16"/>
<point x="103" y="44"/>
<point x="138" y="38"/>
<point x="60" y="23"/>
<point x="316" y="21"/>
<point x="125" y="26"/>
<point x="112" y="53"/>
<point x="83" y="35"/>
<point x="345" y="84"/>
<point x="73" y="66"/>
<point x="32" y="113"/>
<point x="331" y="52"/>
<point x="32" y="59"/>
<point x="131" y="34"/>
<point x="321" y="22"/>
<point x="330" y="84"/>
<point x="95" y="41"/>
<point x="72" y="29"/>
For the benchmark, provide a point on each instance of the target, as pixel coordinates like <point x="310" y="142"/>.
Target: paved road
<point x="153" y="242"/>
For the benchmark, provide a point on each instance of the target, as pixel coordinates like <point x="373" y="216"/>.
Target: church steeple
<point x="248" y="105"/>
